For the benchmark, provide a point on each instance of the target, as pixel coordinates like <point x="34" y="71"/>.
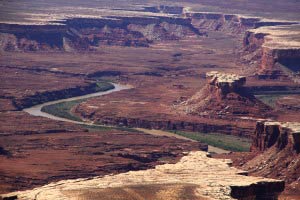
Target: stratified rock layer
<point x="223" y="95"/>
<point x="279" y="144"/>
<point x="277" y="49"/>
<point x="226" y="82"/>
<point x="270" y="133"/>
<point x="209" y="178"/>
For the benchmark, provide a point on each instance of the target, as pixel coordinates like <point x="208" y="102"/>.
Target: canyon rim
<point x="136" y="99"/>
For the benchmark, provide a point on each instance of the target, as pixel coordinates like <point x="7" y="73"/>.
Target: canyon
<point x="194" y="67"/>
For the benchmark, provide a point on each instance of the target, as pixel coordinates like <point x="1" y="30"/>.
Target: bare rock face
<point x="206" y="178"/>
<point x="279" y="144"/>
<point x="276" y="48"/>
<point x="226" y="82"/>
<point x="223" y="95"/>
<point x="271" y="133"/>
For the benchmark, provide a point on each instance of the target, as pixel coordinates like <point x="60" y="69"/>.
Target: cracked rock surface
<point x="196" y="174"/>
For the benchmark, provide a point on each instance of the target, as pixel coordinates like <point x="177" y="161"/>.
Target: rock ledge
<point x="211" y="178"/>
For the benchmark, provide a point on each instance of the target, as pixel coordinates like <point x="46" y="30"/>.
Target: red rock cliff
<point x="279" y="144"/>
<point x="224" y="96"/>
<point x="268" y="134"/>
<point x="89" y="34"/>
<point x="277" y="50"/>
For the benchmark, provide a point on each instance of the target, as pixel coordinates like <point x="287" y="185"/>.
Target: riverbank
<point x="211" y="149"/>
<point x="61" y="110"/>
<point x="37" y="109"/>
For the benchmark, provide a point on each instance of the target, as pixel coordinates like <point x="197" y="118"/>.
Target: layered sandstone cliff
<point x="279" y="144"/>
<point x="223" y="95"/>
<point x="89" y="34"/>
<point x="271" y="133"/>
<point x="222" y="22"/>
<point x="272" y="46"/>
<point x="131" y="29"/>
<point x="277" y="49"/>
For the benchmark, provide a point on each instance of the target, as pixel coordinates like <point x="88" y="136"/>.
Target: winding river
<point x="37" y="111"/>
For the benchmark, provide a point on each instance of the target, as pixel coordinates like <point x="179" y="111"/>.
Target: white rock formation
<point x="213" y="178"/>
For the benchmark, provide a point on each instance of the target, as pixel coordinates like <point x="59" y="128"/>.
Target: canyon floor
<point x="164" y="53"/>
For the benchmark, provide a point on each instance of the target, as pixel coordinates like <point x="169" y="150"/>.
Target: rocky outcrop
<point x="223" y="95"/>
<point x="222" y="22"/>
<point x="253" y="41"/>
<point x="269" y="133"/>
<point x="211" y="178"/>
<point x="228" y="23"/>
<point x="226" y="83"/>
<point x="277" y="50"/>
<point x="31" y="37"/>
<point x="278" y="148"/>
<point x="279" y="63"/>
